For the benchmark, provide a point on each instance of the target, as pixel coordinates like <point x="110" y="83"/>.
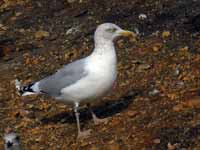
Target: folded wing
<point x="64" y="77"/>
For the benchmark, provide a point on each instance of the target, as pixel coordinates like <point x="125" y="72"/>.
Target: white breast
<point x="101" y="77"/>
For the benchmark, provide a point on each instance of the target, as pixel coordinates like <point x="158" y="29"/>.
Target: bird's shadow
<point x="105" y="110"/>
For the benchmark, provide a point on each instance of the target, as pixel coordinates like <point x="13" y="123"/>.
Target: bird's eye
<point x="111" y="30"/>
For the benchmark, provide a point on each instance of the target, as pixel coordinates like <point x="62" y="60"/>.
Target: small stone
<point x="156" y="141"/>
<point x="165" y="34"/>
<point x="142" y="16"/>
<point x="120" y="43"/>
<point x="193" y="103"/>
<point x="83" y="144"/>
<point x="22" y="30"/>
<point x="132" y="113"/>
<point x="180" y="84"/>
<point x="184" y="49"/>
<point x="136" y="31"/>
<point x="93" y="148"/>
<point x="154" y="92"/>
<point x="38" y="139"/>
<point x="104" y="129"/>
<point x="115" y="121"/>
<point x="114" y="146"/>
<point x="30" y="106"/>
<point x="3" y="27"/>
<point x="173" y="146"/>
<point x="72" y="30"/>
<point x="143" y="67"/>
<point x="172" y="96"/>
<point x="177" y="72"/>
<point x="71" y="1"/>
<point x="18" y="14"/>
<point x="111" y="142"/>
<point x="178" y="108"/>
<point x="2" y="89"/>
<point x="41" y="34"/>
<point x="157" y="47"/>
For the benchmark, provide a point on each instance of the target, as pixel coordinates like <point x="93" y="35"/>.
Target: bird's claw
<point x="83" y="134"/>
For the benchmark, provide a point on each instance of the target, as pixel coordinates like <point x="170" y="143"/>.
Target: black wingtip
<point x="21" y="92"/>
<point x="26" y="89"/>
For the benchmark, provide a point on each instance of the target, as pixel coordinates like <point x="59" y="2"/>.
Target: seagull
<point x="12" y="141"/>
<point x="86" y="79"/>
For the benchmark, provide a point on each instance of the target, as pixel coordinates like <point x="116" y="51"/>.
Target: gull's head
<point x="12" y="141"/>
<point x="109" y="31"/>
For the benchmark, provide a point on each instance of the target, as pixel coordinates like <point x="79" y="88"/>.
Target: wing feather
<point x="64" y="77"/>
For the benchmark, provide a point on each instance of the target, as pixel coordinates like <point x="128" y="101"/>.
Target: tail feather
<point x="29" y="89"/>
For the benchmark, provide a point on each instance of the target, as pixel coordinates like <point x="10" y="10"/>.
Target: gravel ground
<point x="156" y="102"/>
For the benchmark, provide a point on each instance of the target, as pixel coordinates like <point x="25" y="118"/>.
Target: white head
<point x="12" y="141"/>
<point x="109" y="31"/>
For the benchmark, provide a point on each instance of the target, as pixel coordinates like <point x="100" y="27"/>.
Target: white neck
<point x="103" y="58"/>
<point x="104" y="55"/>
<point x="103" y="47"/>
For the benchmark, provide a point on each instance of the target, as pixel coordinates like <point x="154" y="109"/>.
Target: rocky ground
<point x="156" y="103"/>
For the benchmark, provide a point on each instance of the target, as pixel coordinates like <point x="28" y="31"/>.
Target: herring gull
<point x="86" y="79"/>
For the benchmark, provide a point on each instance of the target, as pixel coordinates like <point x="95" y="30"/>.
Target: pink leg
<point x="81" y="134"/>
<point x="98" y="120"/>
<point x="95" y="118"/>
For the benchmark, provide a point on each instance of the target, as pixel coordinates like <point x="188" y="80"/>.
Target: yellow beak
<point x="128" y="34"/>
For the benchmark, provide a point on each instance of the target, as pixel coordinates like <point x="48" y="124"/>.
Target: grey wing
<point x="64" y="77"/>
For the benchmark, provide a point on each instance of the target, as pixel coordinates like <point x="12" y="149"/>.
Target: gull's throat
<point x="104" y="47"/>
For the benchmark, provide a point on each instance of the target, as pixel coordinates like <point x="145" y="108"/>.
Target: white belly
<point x="88" y="88"/>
